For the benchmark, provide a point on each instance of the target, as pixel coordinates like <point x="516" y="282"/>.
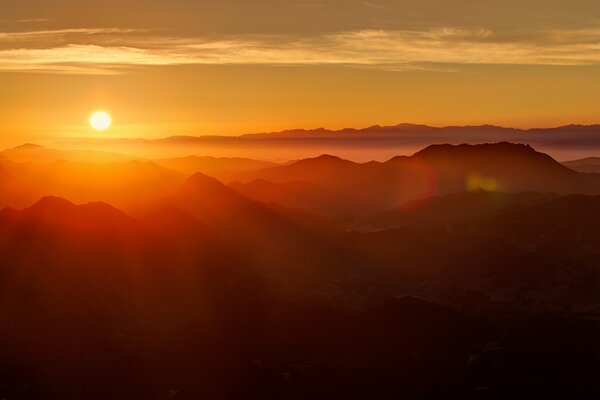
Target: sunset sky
<point x="193" y="67"/>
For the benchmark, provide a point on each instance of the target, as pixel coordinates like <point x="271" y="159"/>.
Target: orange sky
<point x="167" y="68"/>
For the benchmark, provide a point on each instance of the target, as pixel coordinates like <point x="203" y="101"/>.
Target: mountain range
<point x="325" y="185"/>
<point x="575" y="134"/>
<point x="376" y="142"/>
<point x="462" y="271"/>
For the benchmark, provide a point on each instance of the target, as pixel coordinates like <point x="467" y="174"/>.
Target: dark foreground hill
<point x="449" y="210"/>
<point x="96" y="304"/>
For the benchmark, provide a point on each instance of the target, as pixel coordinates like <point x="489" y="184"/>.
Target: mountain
<point x="510" y="168"/>
<point x="39" y="154"/>
<point x="588" y="165"/>
<point x="302" y="195"/>
<point x="94" y="292"/>
<point x="341" y="176"/>
<point x="212" y="165"/>
<point x="389" y="132"/>
<point x="381" y="140"/>
<point x="122" y="184"/>
<point x="256" y="304"/>
<point x="218" y="205"/>
<point x="437" y="170"/>
<point x="207" y="198"/>
<point x="401" y="133"/>
<point x="75" y="223"/>
<point x="242" y="292"/>
<point x="56" y="249"/>
<point x="326" y="185"/>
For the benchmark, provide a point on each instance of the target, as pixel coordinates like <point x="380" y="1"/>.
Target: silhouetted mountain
<point x="212" y="165"/>
<point x="244" y="292"/>
<point x="89" y="290"/>
<point x="39" y="154"/>
<point x="122" y="184"/>
<point x="511" y="167"/>
<point x="211" y="201"/>
<point x="207" y="198"/>
<point x="54" y="214"/>
<point x="398" y="139"/>
<point x="586" y="165"/>
<point x="302" y="195"/>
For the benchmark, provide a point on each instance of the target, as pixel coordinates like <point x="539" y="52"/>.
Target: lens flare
<point x="476" y="183"/>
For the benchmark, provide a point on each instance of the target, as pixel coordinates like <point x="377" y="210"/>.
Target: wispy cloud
<point x="109" y="51"/>
<point x="25" y="21"/>
<point x="9" y="37"/>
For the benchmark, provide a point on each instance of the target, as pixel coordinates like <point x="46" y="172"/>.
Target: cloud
<point x="25" y="21"/>
<point x="112" y="50"/>
<point x="8" y="37"/>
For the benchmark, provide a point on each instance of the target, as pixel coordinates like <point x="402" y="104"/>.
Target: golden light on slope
<point x="100" y="120"/>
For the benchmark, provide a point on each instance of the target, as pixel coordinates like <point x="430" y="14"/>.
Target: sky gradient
<point x="166" y="68"/>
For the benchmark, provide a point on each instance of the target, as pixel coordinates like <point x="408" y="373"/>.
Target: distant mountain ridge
<point x="588" y="165"/>
<point x="212" y="165"/>
<point x="404" y="132"/>
<point x="30" y="152"/>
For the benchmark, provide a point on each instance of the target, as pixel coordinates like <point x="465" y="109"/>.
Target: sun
<point x="100" y="120"/>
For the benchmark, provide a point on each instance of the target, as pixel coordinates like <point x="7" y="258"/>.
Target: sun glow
<point x="100" y="120"/>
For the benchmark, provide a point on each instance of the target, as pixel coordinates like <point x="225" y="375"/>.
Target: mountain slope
<point x="448" y="210"/>
<point x="588" y="165"/>
<point x="213" y="166"/>
<point x="206" y="198"/>
<point x="302" y="195"/>
<point x="122" y="184"/>
<point x="40" y="154"/>
<point x="511" y="167"/>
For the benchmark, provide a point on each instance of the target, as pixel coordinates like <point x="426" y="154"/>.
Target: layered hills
<point x="423" y="276"/>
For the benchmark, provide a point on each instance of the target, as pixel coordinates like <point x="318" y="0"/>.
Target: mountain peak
<point x="487" y="148"/>
<point x="29" y="146"/>
<point x="516" y="157"/>
<point x="503" y="150"/>
<point x="326" y="159"/>
<point x="200" y="180"/>
<point x="52" y="204"/>
<point x="206" y="197"/>
<point x="57" y="206"/>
